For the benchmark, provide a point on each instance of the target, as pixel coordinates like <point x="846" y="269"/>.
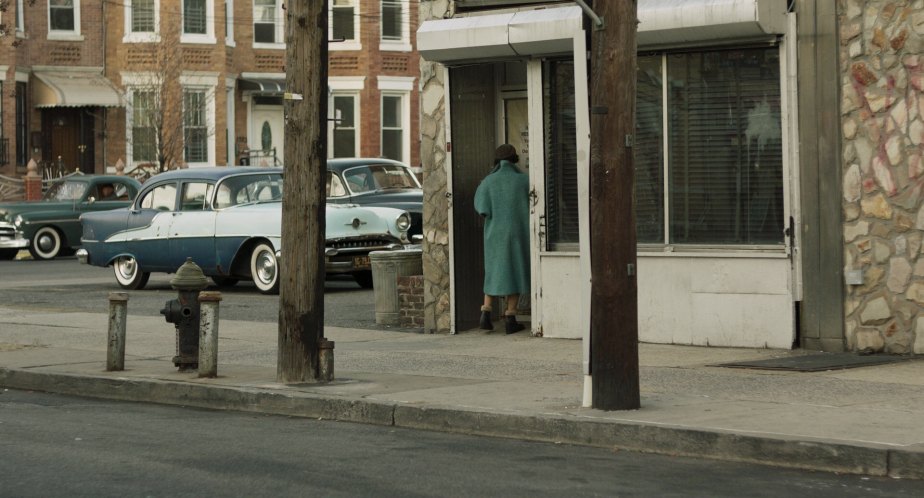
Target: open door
<point x="472" y="139"/>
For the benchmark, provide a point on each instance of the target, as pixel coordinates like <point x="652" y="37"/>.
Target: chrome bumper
<point x="83" y="256"/>
<point x="14" y="242"/>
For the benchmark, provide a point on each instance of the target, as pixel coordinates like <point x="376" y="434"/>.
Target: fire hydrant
<point x="184" y="313"/>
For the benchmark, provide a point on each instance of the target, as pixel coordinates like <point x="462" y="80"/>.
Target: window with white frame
<point x="267" y="23"/>
<point x="198" y="21"/>
<point x="395" y="25"/>
<point x="710" y="123"/>
<point x="344" y="25"/>
<point x="393" y="132"/>
<point x="20" y="17"/>
<point x="560" y="140"/>
<point x="142" y="20"/>
<point x="345" y="137"/>
<point x="229" y="23"/>
<point x="195" y="126"/>
<point x="63" y="18"/>
<point x="143" y="128"/>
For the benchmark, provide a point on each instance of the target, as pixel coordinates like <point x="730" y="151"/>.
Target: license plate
<point x="362" y="262"/>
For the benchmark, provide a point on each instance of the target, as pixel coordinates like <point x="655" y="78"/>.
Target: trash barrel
<point x="387" y="266"/>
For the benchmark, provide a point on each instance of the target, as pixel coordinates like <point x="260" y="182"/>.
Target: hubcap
<point x="46" y="243"/>
<point x="266" y="267"/>
<point x="127" y="267"/>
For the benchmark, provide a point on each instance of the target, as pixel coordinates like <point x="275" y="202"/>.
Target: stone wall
<point x="433" y="161"/>
<point x="882" y="117"/>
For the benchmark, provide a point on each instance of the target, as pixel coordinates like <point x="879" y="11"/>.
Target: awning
<point x="687" y="22"/>
<point x="272" y="86"/>
<point x="512" y="34"/>
<point x="551" y="30"/>
<point x="74" y="89"/>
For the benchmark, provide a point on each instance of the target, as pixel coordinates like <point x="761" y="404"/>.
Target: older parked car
<point x="51" y="226"/>
<point x="376" y="182"/>
<point x="229" y="221"/>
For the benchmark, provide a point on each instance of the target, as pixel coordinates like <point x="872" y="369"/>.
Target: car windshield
<point x="248" y="189"/>
<point x="65" y="191"/>
<point x="378" y="177"/>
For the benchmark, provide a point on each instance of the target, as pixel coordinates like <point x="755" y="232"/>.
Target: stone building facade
<point x="858" y="270"/>
<point x="882" y="119"/>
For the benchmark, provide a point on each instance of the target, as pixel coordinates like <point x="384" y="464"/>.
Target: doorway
<point x="267" y="136"/>
<point x="70" y="139"/>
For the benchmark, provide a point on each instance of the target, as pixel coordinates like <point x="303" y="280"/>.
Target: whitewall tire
<point x="264" y="268"/>
<point x="46" y="243"/>
<point x="128" y="274"/>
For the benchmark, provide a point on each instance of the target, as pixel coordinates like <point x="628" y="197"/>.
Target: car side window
<point x="195" y="196"/>
<point x="122" y="192"/>
<point x="334" y="186"/>
<point x="162" y="198"/>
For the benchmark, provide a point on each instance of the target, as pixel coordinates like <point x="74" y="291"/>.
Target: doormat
<point x="819" y="362"/>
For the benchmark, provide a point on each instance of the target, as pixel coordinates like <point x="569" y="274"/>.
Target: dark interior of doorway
<point x="473" y="132"/>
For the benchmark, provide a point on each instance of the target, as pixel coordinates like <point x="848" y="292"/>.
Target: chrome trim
<point x="83" y="256"/>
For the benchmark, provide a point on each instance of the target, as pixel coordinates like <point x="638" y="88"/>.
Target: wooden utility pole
<point x="614" y="293"/>
<point x="301" y="276"/>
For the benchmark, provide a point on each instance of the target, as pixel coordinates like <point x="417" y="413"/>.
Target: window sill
<point x="21" y="34"/>
<point x="198" y="39"/>
<point x="345" y="45"/>
<point x="141" y="38"/>
<point x="269" y="46"/>
<point x="713" y="251"/>
<point x="229" y="42"/>
<point x="65" y="36"/>
<point x="395" y="46"/>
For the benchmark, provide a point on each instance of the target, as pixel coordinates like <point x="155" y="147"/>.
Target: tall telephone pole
<point x="614" y="293"/>
<point x="301" y="279"/>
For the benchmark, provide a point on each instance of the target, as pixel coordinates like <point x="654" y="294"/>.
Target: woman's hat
<point x="505" y="151"/>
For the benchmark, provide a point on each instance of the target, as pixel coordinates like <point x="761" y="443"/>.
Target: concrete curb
<point x="817" y="455"/>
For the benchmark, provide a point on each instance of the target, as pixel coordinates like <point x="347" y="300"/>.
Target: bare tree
<point x="170" y="124"/>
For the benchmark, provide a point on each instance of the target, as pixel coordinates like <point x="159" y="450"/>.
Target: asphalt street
<point x="54" y="445"/>
<point x="66" y="285"/>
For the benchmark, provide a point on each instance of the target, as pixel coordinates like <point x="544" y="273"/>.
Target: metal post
<point x="325" y="360"/>
<point x="115" y="351"/>
<point x="208" y="333"/>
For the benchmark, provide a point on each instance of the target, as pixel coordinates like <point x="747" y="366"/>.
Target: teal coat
<point x="503" y="199"/>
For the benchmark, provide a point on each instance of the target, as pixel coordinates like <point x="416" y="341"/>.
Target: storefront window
<point x="724" y="148"/>
<point x="560" y="155"/>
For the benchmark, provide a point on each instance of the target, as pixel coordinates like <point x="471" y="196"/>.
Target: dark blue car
<point x="378" y="183"/>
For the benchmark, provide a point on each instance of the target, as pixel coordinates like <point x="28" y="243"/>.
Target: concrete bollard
<point x="208" y="333"/>
<point x="118" y="313"/>
<point x="325" y="360"/>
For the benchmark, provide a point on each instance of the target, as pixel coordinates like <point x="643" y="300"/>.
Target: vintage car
<point x="51" y="226"/>
<point x="229" y="221"/>
<point x="376" y="182"/>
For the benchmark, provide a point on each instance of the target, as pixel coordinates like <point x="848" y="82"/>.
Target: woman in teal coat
<point x="503" y="199"/>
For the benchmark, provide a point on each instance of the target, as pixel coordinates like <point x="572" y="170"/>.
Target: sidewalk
<point x="866" y="420"/>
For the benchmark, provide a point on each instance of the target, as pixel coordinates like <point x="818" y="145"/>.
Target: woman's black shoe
<point x="485" y="323"/>
<point x="512" y="325"/>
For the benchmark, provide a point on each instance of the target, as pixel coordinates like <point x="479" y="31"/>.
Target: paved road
<point x="64" y="284"/>
<point x="54" y="445"/>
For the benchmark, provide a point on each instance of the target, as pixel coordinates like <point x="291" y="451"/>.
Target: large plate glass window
<point x="558" y="108"/>
<point x="724" y="154"/>
<point x="195" y="126"/>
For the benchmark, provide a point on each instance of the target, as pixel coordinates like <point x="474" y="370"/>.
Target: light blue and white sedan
<point x="229" y="221"/>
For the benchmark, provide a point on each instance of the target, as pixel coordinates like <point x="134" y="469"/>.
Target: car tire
<point x="128" y="274"/>
<point x="363" y="278"/>
<point x="8" y="254"/>
<point x="224" y="281"/>
<point x="46" y="243"/>
<point x="264" y="268"/>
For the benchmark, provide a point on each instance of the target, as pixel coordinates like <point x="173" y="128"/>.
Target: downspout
<point x="589" y="12"/>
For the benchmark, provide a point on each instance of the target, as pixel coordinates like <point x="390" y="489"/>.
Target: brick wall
<point x="411" y="301"/>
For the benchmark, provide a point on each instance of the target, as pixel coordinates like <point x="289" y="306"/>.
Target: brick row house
<point x="188" y="83"/>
